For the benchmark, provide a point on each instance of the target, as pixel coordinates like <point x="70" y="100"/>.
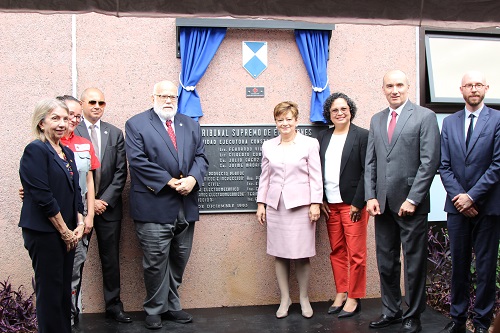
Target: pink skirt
<point x="290" y="233"/>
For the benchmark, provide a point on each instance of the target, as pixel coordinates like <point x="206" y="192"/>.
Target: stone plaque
<point x="234" y="153"/>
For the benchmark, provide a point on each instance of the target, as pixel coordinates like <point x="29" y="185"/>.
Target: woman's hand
<point x="325" y="209"/>
<point x="89" y="224"/>
<point x="355" y="214"/>
<point x="78" y="232"/>
<point x="69" y="239"/>
<point x="314" y="212"/>
<point x="261" y="213"/>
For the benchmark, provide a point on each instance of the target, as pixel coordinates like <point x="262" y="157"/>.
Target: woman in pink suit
<point x="288" y="200"/>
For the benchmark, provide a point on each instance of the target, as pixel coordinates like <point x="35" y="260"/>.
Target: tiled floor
<point x="261" y="319"/>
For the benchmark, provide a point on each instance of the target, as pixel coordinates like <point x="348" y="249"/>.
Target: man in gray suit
<point x="401" y="161"/>
<point x="109" y="181"/>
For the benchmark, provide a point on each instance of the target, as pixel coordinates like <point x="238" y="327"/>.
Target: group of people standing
<point x="74" y="172"/>
<point x="386" y="172"/>
<point x="73" y="175"/>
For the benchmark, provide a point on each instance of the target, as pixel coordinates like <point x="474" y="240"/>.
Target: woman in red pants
<point x="342" y="152"/>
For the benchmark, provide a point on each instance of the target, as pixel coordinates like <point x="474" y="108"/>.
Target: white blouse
<point x="333" y="156"/>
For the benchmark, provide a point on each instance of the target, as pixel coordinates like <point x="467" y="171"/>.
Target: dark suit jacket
<point x="476" y="170"/>
<point x="113" y="168"/>
<point x="154" y="161"/>
<point x="406" y="167"/>
<point x="48" y="187"/>
<point x="352" y="164"/>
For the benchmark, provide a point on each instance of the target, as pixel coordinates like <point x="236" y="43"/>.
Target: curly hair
<point x="329" y="101"/>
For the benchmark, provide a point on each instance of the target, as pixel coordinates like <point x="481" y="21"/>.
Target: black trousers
<point x="53" y="267"/>
<point x="108" y="240"/>
<point x="480" y="233"/>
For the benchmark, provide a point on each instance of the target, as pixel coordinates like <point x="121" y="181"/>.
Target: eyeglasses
<point x="469" y="86"/>
<point x="101" y="103"/>
<point x="341" y="110"/>
<point x="163" y="98"/>
<point x="77" y="117"/>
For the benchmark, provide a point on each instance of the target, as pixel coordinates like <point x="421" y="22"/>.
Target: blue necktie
<point x="470" y="130"/>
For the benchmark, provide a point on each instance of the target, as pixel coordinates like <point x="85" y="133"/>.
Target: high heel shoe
<point x="308" y="311"/>
<point x="336" y="309"/>
<point x="283" y="314"/>
<point x="345" y="314"/>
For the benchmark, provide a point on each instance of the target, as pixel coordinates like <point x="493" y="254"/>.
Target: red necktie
<point x="392" y="125"/>
<point x="171" y="133"/>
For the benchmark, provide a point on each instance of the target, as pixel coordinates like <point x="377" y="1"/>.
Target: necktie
<point x="470" y="130"/>
<point x="392" y="125"/>
<point x="171" y="133"/>
<point x="95" y="143"/>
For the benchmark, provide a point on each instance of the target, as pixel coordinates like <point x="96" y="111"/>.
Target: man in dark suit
<point x="470" y="172"/>
<point x="167" y="161"/>
<point x="109" y="182"/>
<point x="401" y="161"/>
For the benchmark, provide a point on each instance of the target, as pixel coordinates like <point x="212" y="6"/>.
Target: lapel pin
<point x="180" y="124"/>
<point x="106" y="132"/>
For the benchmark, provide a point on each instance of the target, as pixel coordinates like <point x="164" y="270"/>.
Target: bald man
<point x="167" y="165"/>
<point x="470" y="172"/>
<point x="402" y="158"/>
<point x="109" y="181"/>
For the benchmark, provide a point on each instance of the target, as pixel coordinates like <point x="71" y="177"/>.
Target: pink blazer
<point x="296" y="175"/>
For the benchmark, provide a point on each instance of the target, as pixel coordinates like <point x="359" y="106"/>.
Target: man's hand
<point x="100" y="206"/>
<point x="462" y="202"/>
<point x="373" y="207"/>
<point x="407" y="209"/>
<point x="184" y="186"/>
<point x="471" y="212"/>
<point x="173" y="183"/>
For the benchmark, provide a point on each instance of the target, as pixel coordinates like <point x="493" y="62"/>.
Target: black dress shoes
<point x="384" y="321"/>
<point x="453" y="327"/>
<point x="153" y="322"/>
<point x="180" y="316"/>
<point x="336" y="309"/>
<point x="410" y="325"/>
<point x="346" y="314"/>
<point x="478" y="329"/>
<point x="119" y="316"/>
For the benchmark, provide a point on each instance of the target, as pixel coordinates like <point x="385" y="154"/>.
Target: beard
<point x="475" y="100"/>
<point x="165" y="113"/>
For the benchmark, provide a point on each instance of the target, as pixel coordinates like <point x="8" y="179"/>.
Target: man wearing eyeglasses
<point x="470" y="172"/>
<point x="167" y="162"/>
<point x="109" y="181"/>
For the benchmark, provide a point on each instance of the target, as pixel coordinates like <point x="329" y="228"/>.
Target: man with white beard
<point x="167" y="164"/>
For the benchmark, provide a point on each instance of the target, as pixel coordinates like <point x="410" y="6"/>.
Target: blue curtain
<point x="313" y="46"/>
<point x="198" y="47"/>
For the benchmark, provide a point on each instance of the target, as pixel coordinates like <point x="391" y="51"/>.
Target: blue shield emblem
<point x="255" y="57"/>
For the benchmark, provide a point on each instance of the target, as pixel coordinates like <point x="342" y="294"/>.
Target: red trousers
<point x="348" y="243"/>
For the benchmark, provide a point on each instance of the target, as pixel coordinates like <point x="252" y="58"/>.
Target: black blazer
<point x="352" y="164"/>
<point x="48" y="187"/>
<point x="113" y="168"/>
<point x="154" y="161"/>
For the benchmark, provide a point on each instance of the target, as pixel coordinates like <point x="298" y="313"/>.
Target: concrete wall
<point x="124" y="57"/>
